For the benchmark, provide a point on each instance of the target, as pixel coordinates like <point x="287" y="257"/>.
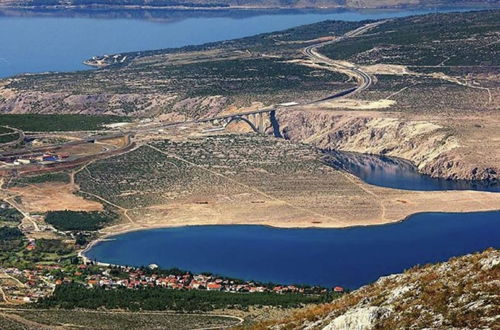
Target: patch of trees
<point x="9" y="137"/>
<point x="48" y="177"/>
<point x="10" y="233"/>
<point x="71" y="296"/>
<point x="11" y="239"/>
<point x="78" y="221"/>
<point x="10" y="215"/>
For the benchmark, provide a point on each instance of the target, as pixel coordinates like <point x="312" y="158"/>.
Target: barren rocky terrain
<point x="246" y="179"/>
<point x="440" y="147"/>
<point x="460" y="293"/>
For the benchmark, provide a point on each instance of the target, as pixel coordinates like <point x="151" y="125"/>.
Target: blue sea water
<point x="347" y="257"/>
<point x="38" y="43"/>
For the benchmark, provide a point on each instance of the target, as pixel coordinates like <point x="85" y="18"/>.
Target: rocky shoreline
<point x="430" y="146"/>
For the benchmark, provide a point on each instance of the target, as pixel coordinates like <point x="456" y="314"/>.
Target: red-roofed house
<point x="338" y="289"/>
<point x="214" y="287"/>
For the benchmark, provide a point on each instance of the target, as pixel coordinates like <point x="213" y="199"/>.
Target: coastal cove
<point x="349" y="257"/>
<point x="60" y="41"/>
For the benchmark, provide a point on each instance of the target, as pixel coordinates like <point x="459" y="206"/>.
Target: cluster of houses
<point x="105" y="60"/>
<point x="42" y="280"/>
<point x="24" y="286"/>
<point x="139" y="278"/>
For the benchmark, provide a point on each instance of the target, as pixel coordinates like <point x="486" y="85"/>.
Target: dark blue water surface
<point x="38" y="42"/>
<point x="399" y="174"/>
<point x="348" y="257"/>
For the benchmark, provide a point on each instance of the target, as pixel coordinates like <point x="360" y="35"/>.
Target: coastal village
<point x="29" y="282"/>
<point x="29" y="285"/>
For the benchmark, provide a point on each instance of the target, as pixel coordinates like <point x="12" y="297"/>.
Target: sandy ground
<point x="352" y="104"/>
<point x="375" y="206"/>
<point x="53" y="197"/>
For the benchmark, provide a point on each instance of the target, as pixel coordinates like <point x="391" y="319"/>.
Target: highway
<point x="364" y="79"/>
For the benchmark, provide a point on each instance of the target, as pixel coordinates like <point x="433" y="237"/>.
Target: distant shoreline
<point x="460" y="5"/>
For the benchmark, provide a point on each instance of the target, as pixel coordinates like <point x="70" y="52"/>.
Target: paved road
<point x="364" y="79"/>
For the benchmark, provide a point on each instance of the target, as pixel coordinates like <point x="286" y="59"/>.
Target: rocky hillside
<point x="460" y="293"/>
<point x="434" y="148"/>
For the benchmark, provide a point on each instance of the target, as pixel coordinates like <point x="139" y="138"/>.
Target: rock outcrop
<point x="462" y="293"/>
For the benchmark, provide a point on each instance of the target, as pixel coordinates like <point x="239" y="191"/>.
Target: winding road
<point x="364" y="79"/>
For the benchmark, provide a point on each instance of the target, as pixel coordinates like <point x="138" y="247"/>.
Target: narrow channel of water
<point x="398" y="173"/>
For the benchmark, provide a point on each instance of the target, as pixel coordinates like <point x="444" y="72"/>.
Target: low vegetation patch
<point x="78" y="221"/>
<point x="48" y="177"/>
<point x="75" y="296"/>
<point x="444" y="39"/>
<point x="63" y="122"/>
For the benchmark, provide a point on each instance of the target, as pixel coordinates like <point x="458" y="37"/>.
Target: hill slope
<point x="460" y="293"/>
